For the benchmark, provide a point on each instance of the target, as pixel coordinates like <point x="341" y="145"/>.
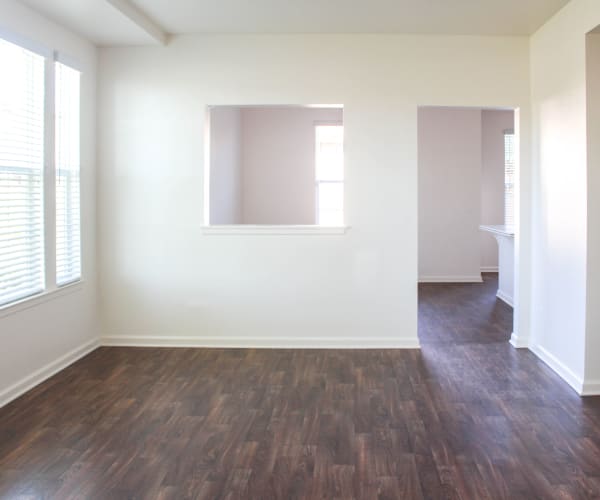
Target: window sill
<point x="244" y="229"/>
<point x="40" y="298"/>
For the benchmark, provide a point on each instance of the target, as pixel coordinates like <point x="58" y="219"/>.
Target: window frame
<point x="68" y="62"/>
<point x="50" y="286"/>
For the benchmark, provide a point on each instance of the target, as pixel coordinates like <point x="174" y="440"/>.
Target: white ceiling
<point x="103" y="24"/>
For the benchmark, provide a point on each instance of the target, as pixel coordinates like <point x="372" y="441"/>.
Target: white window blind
<point x="509" y="178"/>
<point x="329" y="161"/>
<point x="21" y="172"/>
<point x="68" y="238"/>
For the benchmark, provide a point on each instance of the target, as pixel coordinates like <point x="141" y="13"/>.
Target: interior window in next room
<point x="276" y="165"/>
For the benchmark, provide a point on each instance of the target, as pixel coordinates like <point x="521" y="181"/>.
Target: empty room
<point x="299" y="250"/>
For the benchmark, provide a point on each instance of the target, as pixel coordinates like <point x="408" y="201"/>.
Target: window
<point x="329" y="162"/>
<point x="68" y="239"/>
<point x="27" y="209"/>
<point x="21" y="172"/>
<point x="274" y="169"/>
<point x="509" y="178"/>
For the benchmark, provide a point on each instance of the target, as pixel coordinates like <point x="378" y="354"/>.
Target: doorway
<point x="467" y="160"/>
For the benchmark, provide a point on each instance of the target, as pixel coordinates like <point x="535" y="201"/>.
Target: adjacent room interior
<point x="275" y="165"/>
<point x="467" y="173"/>
<point x="335" y="250"/>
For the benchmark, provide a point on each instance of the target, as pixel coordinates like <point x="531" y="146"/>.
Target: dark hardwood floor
<point x="463" y="313"/>
<point x="466" y="417"/>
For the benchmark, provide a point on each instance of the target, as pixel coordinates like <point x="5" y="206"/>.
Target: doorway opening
<point x="468" y="166"/>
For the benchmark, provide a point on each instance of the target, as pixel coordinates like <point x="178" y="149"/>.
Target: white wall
<point x="165" y="282"/>
<point x="592" y="359"/>
<point x="562" y="197"/>
<point x="278" y="162"/>
<point x="36" y="339"/>
<point x="225" y="165"/>
<point x="449" y="194"/>
<point x="493" y="125"/>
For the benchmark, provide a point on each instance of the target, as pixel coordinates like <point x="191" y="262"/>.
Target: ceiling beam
<point x="134" y="14"/>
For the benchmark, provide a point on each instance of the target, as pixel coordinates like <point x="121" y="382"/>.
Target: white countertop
<point x="499" y="229"/>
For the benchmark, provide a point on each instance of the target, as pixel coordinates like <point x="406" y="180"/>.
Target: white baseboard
<point x="263" y="342"/>
<point x="505" y="298"/>
<point x="591" y="388"/>
<point x="489" y="269"/>
<point x="560" y="368"/>
<point x="451" y="279"/>
<point x="518" y="342"/>
<point x="37" y="377"/>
